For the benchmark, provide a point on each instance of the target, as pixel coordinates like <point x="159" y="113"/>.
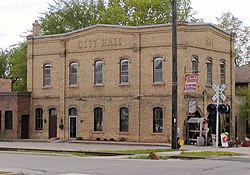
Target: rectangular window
<point x="47" y="75"/>
<point x="157" y="120"/>
<point x="209" y="73"/>
<point x="8" y="119"/>
<point x="73" y="69"/>
<point x="222" y="74"/>
<point x="98" y="120"/>
<point x="194" y="65"/>
<point x="98" y="72"/>
<point x="124" y="120"/>
<point x="124" y="71"/>
<point x="158" y="70"/>
<point x="39" y="119"/>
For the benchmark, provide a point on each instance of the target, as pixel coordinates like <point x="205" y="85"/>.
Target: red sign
<point x="191" y="83"/>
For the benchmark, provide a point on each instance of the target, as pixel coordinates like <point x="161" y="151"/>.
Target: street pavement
<point x="73" y="145"/>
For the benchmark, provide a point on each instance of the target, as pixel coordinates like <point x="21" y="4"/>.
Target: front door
<point x="72" y="127"/>
<point x="52" y="126"/>
<point x="24" y="127"/>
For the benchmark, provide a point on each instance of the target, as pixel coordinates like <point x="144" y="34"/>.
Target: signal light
<point x="222" y="108"/>
<point x="212" y="108"/>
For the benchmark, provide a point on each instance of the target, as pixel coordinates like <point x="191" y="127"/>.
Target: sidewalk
<point x="75" y="145"/>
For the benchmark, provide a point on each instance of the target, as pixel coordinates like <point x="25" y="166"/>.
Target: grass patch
<point x="2" y="172"/>
<point x="148" y="157"/>
<point x="209" y="153"/>
<point x="74" y="153"/>
<point x="95" y="153"/>
<point x="143" y="151"/>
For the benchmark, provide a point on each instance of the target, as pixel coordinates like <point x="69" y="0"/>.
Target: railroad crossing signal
<point x="219" y="92"/>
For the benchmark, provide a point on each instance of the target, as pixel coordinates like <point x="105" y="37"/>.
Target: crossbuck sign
<point x="219" y="89"/>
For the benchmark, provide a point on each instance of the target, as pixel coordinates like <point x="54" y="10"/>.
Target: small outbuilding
<point x="14" y="112"/>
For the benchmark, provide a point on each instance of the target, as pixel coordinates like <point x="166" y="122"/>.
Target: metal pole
<point x="174" y="76"/>
<point x="217" y="116"/>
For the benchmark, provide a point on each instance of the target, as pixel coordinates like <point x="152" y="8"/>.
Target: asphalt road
<point x="71" y="165"/>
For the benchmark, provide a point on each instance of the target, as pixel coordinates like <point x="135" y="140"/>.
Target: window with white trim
<point x="73" y="71"/>
<point x="123" y="71"/>
<point x="222" y="73"/>
<point x="98" y="73"/>
<point x="158" y="70"/>
<point x="47" y="75"/>
<point x="209" y="72"/>
<point x="195" y="63"/>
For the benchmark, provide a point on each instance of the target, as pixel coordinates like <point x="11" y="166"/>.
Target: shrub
<point x="79" y="138"/>
<point x="123" y="139"/>
<point x="112" y="139"/>
<point x="98" y="139"/>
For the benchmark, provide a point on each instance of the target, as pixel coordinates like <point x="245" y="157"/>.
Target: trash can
<point x="181" y="142"/>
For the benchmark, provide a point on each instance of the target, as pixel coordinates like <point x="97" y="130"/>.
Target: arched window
<point x="73" y="70"/>
<point x="124" y="71"/>
<point x="158" y="70"/>
<point x="39" y="119"/>
<point x="72" y="112"/>
<point x="124" y="117"/>
<point x="47" y="75"/>
<point x="98" y="119"/>
<point x="98" y="72"/>
<point x="157" y="119"/>
<point x="52" y="111"/>
<point x="195" y="64"/>
<point x="222" y="73"/>
<point x="209" y="72"/>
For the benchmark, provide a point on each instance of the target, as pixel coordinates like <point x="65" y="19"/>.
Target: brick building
<point x="114" y="82"/>
<point x="14" y="112"/>
<point x="242" y="84"/>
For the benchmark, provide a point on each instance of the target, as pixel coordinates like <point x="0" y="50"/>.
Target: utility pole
<point x="174" y="76"/>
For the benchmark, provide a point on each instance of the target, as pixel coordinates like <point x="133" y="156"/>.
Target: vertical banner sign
<point x="191" y="83"/>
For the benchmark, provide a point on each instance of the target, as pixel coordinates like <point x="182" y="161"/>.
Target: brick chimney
<point x="36" y="28"/>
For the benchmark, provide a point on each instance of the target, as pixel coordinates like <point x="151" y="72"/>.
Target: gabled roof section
<point x="242" y="75"/>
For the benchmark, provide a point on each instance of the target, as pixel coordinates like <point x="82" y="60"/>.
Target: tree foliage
<point x="18" y="66"/>
<point x="68" y="15"/>
<point x="13" y="65"/>
<point x="3" y="63"/>
<point x="232" y="24"/>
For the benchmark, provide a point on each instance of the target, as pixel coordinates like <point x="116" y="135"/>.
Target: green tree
<point x="232" y="24"/>
<point x="18" y="66"/>
<point x="68" y="15"/>
<point x="3" y="63"/>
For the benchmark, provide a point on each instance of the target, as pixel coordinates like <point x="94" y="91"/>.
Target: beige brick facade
<point x="140" y="46"/>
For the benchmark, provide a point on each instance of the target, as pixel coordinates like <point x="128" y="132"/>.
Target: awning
<point x="195" y="120"/>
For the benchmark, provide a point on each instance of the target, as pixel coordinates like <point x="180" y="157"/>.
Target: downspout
<point x="32" y="85"/>
<point x="139" y="35"/>
<point x="65" y="85"/>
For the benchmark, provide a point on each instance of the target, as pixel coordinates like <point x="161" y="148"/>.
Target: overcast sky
<point x="17" y="16"/>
